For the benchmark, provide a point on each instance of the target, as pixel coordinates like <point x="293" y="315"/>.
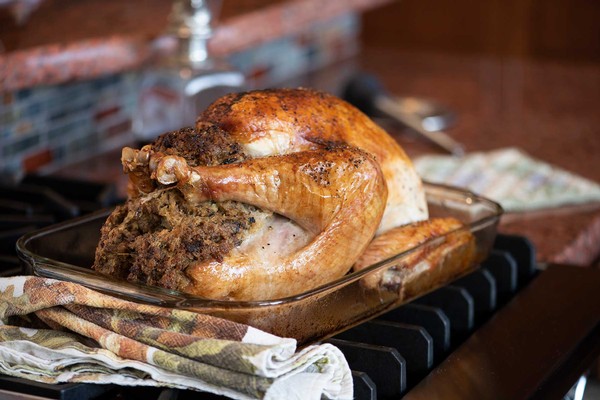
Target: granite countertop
<point x="63" y="40"/>
<point x="546" y="108"/>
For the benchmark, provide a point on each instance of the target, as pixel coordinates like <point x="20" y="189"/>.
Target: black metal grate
<point x="40" y="201"/>
<point x="398" y="349"/>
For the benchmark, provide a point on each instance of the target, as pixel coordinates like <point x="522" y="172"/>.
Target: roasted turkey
<point x="275" y="122"/>
<point x="272" y="193"/>
<point x="440" y="249"/>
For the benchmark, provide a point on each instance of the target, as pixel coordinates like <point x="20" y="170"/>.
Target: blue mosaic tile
<point x="62" y="117"/>
<point x="20" y="147"/>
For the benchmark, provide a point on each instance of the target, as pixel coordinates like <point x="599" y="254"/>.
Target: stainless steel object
<point x="366" y="92"/>
<point x="434" y="116"/>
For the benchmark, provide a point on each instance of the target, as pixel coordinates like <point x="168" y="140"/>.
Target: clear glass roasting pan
<point x="66" y="251"/>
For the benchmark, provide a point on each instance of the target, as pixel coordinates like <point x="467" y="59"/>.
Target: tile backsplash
<point x="46" y="127"/>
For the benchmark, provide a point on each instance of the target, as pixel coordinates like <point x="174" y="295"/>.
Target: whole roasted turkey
<point x="272" y="193"/>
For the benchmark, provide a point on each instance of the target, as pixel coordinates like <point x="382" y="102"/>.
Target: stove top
<point x="437" y="342"/>
<point x="39" y="201"/>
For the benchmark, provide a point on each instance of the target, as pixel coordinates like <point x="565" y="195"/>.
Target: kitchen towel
<point x="511" y="177"/>
<point x="54" y="331"/>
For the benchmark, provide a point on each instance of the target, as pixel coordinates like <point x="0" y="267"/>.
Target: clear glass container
<point x="176" y="88"/>
<point x="66" y="252"/>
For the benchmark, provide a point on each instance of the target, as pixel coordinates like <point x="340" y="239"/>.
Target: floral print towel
<point x="54" y="331"/>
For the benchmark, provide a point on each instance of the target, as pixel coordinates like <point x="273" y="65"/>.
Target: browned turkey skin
<point x="153" y="238"/>
<point x="424" y="268"/>
<point x="281" y="121"/>
<point x="272" y="193"/>
<point x="335" y="198"/>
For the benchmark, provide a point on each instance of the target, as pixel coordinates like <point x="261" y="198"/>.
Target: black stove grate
<point x="398" y="349"/>
<point x="39" y="201"/>
<point x="388" y="355"/>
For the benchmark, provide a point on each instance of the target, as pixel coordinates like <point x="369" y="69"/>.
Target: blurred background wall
<point x="549" y="29"/>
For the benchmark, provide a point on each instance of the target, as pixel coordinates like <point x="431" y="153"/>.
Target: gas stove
<point x="510" y="329"/>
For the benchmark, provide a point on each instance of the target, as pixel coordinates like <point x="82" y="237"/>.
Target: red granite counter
<point x="547" y="108"/>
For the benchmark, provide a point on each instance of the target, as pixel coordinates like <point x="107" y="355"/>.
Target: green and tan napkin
<point x="509" y="176"/>
<point x="54" y="331"/>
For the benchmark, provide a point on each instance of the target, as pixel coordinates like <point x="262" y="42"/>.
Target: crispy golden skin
<point x="451" y="255"/>
<point x="282" y="121"/>
<point x="332" y="179"/>
<point x="337" y="196"/>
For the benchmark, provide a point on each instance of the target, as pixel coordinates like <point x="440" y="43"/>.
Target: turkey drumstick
<point x="281" y="121"/>
<point x="337" y="196"/>
<point x="271" y="193"/>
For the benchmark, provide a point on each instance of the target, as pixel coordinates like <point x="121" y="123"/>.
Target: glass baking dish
<point x="66" y="251"/>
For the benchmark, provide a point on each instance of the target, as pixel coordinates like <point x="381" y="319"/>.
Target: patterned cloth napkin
<point x="53" y="331"/>
<point x="511" y="177"/>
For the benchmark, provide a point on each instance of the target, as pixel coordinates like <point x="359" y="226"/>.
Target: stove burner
<point x="40" y="201"/>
